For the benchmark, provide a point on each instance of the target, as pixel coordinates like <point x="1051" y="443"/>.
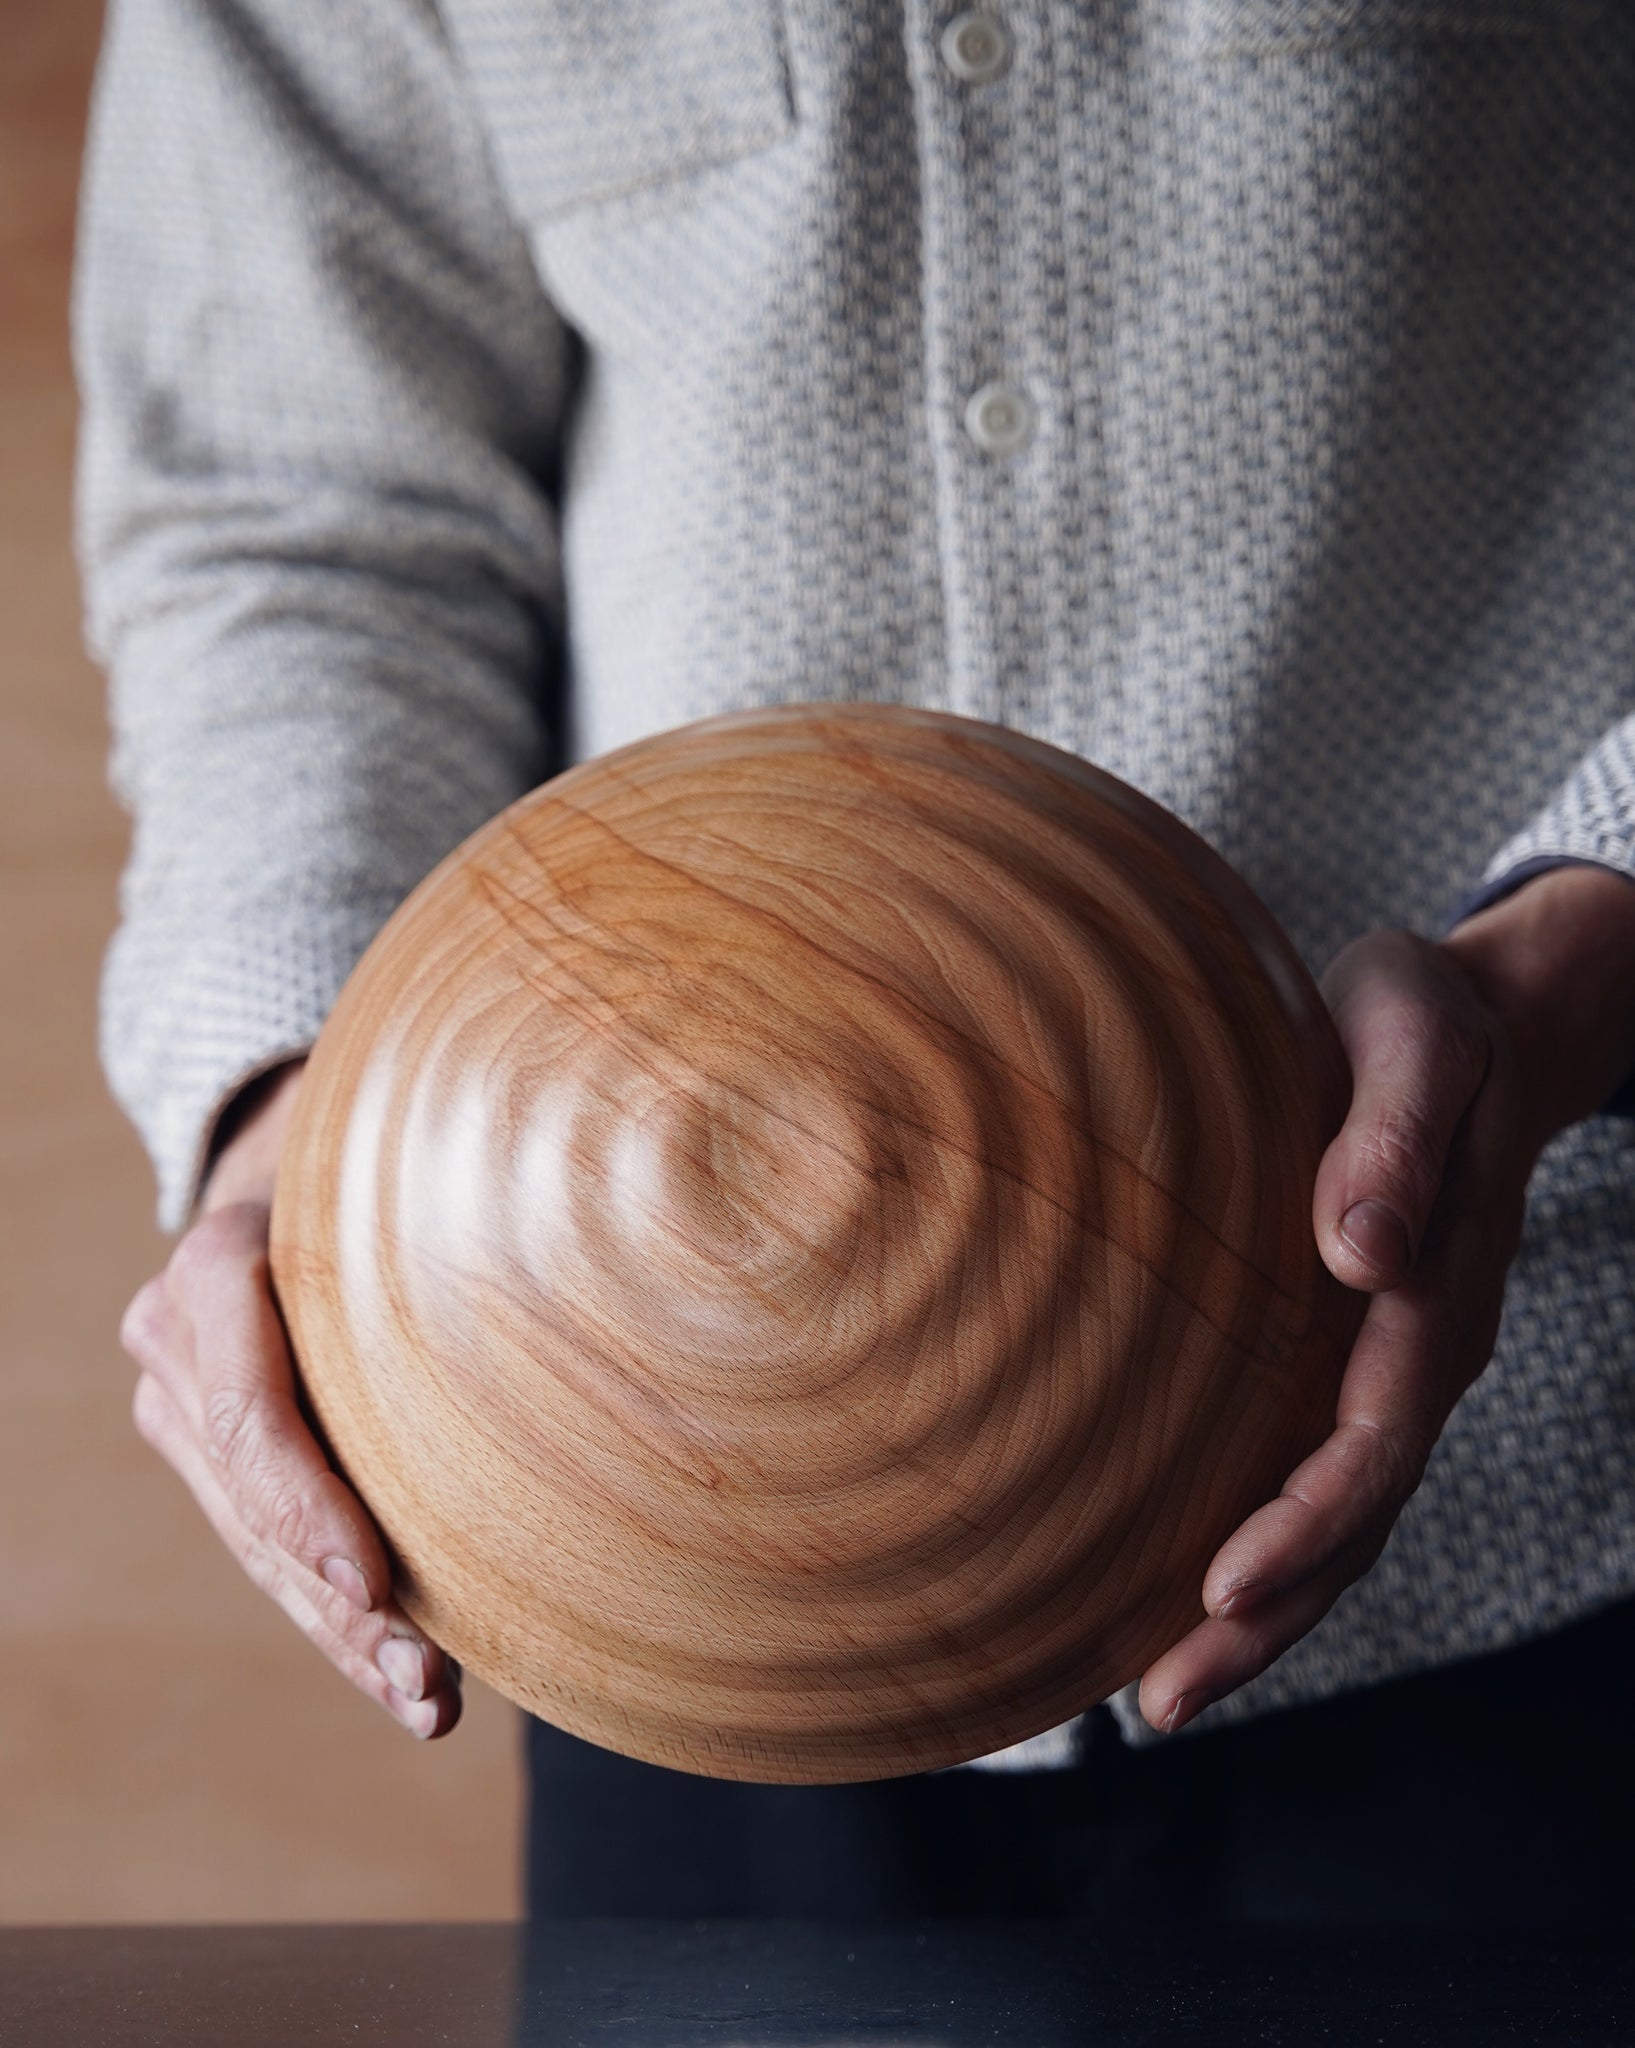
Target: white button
<point x="999" y="419"/>
<point x="976" y="48"/>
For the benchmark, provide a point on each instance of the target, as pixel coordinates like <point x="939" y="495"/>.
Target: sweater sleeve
<point x="321" y="395"/>
<point x="1590" y="819"/>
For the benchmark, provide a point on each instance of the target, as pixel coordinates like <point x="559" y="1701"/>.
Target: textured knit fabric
<point x="472" y="389"/>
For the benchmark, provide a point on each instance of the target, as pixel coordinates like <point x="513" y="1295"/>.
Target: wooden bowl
<point x="799" y="1232"/>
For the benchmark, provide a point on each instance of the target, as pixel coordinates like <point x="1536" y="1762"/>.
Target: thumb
<point x="1413" y="1031"/>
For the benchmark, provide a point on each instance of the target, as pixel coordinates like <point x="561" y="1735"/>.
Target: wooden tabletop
<point x="803" y="1985"/>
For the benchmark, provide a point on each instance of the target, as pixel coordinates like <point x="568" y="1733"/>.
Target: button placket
<point x="981" y="419"/>
<point x="976" y="48"/>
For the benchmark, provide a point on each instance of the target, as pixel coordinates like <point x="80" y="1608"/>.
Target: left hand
<point x="1467" y="1057"/>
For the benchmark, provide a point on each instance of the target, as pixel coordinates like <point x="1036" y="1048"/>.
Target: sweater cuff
<point x="241" y="995"/>
<point x="1497" y="887"/>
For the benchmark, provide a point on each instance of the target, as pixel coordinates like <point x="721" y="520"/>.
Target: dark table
<point x="643" y="1984"/>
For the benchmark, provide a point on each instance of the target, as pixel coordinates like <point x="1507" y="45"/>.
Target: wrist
<point x="1555" y="960"/>
<point x="250" y="1139"/>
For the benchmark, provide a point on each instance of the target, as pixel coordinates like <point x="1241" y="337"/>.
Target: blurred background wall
<point x="171" y="1748"/>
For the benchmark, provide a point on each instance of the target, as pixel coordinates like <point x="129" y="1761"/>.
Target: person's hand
<point x="1467" y="1057"/>
<point x="217" y="1398"/>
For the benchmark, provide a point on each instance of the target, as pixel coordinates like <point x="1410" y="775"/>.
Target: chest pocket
<point x="585" y="100"/>
<point x="1270" y="27"/>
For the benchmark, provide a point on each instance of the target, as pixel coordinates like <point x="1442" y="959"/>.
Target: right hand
<point x="217" y="1399"/>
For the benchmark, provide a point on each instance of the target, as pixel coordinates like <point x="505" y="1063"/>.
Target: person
<point x="1235" y="391"/>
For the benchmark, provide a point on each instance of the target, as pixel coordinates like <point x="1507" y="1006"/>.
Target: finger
<point x="353" y="1642"/>
<point x="247" y="1416"/>
<point x="1419" y="1347"/>
<point x="1353" y="1484"/>
<point x="165" y="1337"/>
<point x="1220" y="1655"/>
<point x="1419" y="1048"/>
<point x="1279" y="1574"/>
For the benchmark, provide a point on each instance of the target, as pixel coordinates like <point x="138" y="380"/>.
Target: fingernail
<point x="403" y="1663"/>
<point x="1377" y="1235"/>
<point x="1186" y="1706"/>
<point x="346" y="1578"/>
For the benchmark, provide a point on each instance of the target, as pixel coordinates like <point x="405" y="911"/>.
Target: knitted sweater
<point x="1239" y="392"/>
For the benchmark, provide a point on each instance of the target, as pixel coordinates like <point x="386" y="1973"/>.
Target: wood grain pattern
<point x="799" y="1231"/>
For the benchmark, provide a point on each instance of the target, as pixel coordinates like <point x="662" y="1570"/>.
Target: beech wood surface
<point x="800" y="1233"/>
